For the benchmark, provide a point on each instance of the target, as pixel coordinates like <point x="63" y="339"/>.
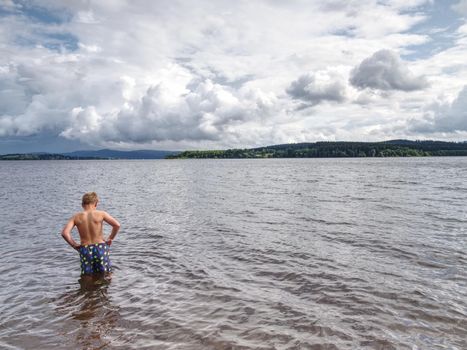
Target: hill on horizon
<point x="114" y="154"/>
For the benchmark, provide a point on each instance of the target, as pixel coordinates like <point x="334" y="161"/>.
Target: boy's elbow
<point x="117" y="225"/>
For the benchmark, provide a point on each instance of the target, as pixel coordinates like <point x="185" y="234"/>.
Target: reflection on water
<point x="93" y="310"/>
<point x="240" y="254"/>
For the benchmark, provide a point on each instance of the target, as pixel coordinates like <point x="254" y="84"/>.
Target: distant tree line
<point x="395" y="148"/>
<point x="40" y="156"/>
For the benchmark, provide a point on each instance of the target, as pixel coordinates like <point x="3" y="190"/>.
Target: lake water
<point x="240" y="254"/>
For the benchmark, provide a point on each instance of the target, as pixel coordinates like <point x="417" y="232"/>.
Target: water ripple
<point x="240" y="254"/>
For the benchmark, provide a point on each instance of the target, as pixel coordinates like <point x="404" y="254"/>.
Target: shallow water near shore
<point x="239" y="254"/>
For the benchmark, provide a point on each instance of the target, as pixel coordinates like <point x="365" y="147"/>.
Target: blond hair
<point x="89" y="198"/>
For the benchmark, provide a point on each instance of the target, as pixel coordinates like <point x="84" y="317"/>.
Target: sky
<point x="215" y="74"/>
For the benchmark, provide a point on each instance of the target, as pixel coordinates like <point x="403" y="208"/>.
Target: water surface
<point x="240" y="254"/>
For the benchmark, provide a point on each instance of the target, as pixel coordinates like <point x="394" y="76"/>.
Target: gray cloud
<point x="384" y="70"/>
<point x="314" y="88"/>
<point x="444" y="118"/>
<point x="14" y="98"/>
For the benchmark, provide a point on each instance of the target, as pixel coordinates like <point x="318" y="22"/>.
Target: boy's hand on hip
<point x="109" y="242"/>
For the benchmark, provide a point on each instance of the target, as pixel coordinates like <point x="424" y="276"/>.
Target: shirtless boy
<point x="93" y="250"/>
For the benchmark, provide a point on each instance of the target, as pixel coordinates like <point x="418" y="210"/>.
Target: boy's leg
<point x="101" y="258"/>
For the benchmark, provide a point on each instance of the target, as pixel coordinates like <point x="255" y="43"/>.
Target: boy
<point x="93" y="250"/>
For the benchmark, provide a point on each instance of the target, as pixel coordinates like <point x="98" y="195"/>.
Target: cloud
<point x="197" y="111"/>
<point x="84" y="122"/>
<point x="461" y="7"/>
<point x="38" y="94"/>
<point x="352" y="5"/>
<point x="314" y="88"/>
<point x="444" y="117"/>
<point x="9" y="5"/>
<point x="384" y="70"/>
<point x="168" y="74"/>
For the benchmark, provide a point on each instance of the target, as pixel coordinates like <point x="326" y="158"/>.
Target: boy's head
<point x="89" y="198"/>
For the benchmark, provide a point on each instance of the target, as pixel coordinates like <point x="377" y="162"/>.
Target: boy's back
<point x="93" y="249"/>
<point x="89" y="225"/>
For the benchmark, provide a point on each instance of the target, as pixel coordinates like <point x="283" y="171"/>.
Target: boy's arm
<point x="66" y="233"/>
<point x="115" y="227"/>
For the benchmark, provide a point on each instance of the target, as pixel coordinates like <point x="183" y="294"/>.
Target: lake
<point x="239" y="254"/>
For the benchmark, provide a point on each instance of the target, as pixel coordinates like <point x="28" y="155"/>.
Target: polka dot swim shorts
<point x="94" y="258"/>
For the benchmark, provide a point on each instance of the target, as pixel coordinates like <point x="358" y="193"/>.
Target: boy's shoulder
<point x="100" y="214"/>
<point x="78" y="214"/>
<point x="81" y="214"/>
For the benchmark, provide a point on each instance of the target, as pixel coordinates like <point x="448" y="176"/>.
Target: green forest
<point x="394" y="148"/>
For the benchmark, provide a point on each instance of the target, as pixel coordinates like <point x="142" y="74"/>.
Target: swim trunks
<point x="94" y="258"/>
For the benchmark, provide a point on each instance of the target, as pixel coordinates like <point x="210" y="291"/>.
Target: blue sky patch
<point x="440" y="27"/>
<point x="60" y="42"/>
<point x="43" y="15"/>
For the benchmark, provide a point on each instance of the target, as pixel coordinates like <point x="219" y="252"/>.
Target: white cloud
<point x="86" y="17"/>
<point x="84" y="122"/>
<point x="193" y="110"/>
<point x="444" y="117"/>
<point x="384" y="70"/>
<point x="90" y="48"/>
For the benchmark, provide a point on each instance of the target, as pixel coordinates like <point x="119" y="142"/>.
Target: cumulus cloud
<point x="384" y="70"/>
<point x="38" y="94"/>
<point x="84" y="122"/>
<point x="314" y="88"/>
<point x="444" y="117"/>
<point x="200" y="110"/>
